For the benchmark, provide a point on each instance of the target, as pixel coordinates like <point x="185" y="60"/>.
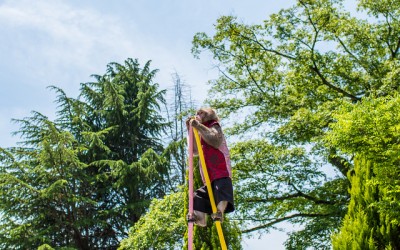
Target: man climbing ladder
<point x="215" y="171"/>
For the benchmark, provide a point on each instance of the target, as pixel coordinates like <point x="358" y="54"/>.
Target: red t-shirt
<point x="217" y="160"/>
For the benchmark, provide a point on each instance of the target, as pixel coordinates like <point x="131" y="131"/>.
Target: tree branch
<point x="279" y="198"/>
<point x="298" y="194"/>
<point x="351" y="54"/>
<point x="250" y="73"/>
<point x="330" y="85"/>
<point x="339" y="162"/>
<point x="315" y="67"/>
<point x="276" y="221"/>
<point x="311" y="198"/>
<point x="256" y="41"/>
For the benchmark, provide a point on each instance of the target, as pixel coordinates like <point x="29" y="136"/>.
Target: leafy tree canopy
<point x="162" y="227"/>
<point x="280" y="83"/>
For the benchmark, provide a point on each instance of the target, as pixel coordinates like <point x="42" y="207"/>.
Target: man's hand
<point x="192" y="121"/>
<point x="188" y="121"/>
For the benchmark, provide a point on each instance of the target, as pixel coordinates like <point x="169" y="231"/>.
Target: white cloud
<point x="57" y="41"/>
<point x="50" y="42"/>
<point x="56" y="35"/>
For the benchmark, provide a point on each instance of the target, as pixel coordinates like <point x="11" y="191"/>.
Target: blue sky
<point x="62" y="43"/>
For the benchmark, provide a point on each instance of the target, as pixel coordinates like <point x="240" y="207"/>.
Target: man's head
<point x="206" y="114"/>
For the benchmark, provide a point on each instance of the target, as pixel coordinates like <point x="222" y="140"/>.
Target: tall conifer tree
<point x="83" y="180"/>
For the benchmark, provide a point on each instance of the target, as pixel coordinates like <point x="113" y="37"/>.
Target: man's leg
<point x="223" y="193"/>
<point x="202" y="206"/>
<point x="219" y="215"/>
<point x="200" y="218"/>
<point x="222" y="206"/>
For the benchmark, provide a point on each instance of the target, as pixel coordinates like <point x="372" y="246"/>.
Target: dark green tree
<point x="280" y="82"/>
<point x="124" y="106"/>
<point x="83" y="180"/>
<point x="41" y="200"/>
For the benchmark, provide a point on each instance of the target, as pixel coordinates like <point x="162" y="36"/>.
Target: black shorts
<point x="222" y="190"/>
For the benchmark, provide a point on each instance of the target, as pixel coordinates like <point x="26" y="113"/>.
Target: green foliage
<point x="359" y="225"/>
<point x="164" y="226"/>
<point x="83" y="180"/>
<point x="161" y="228"/>
<point x="282" y="184"/>
<point x="45" y="247"/>
<point x="365" y="225"/>
<point x="370" y="128"/>
<point x="286" y="77"/>
<point x="207" y="238"/>
<point x="39" y="193"/>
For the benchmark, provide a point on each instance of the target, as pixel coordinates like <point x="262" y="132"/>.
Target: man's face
<point x="201" y="115"/>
